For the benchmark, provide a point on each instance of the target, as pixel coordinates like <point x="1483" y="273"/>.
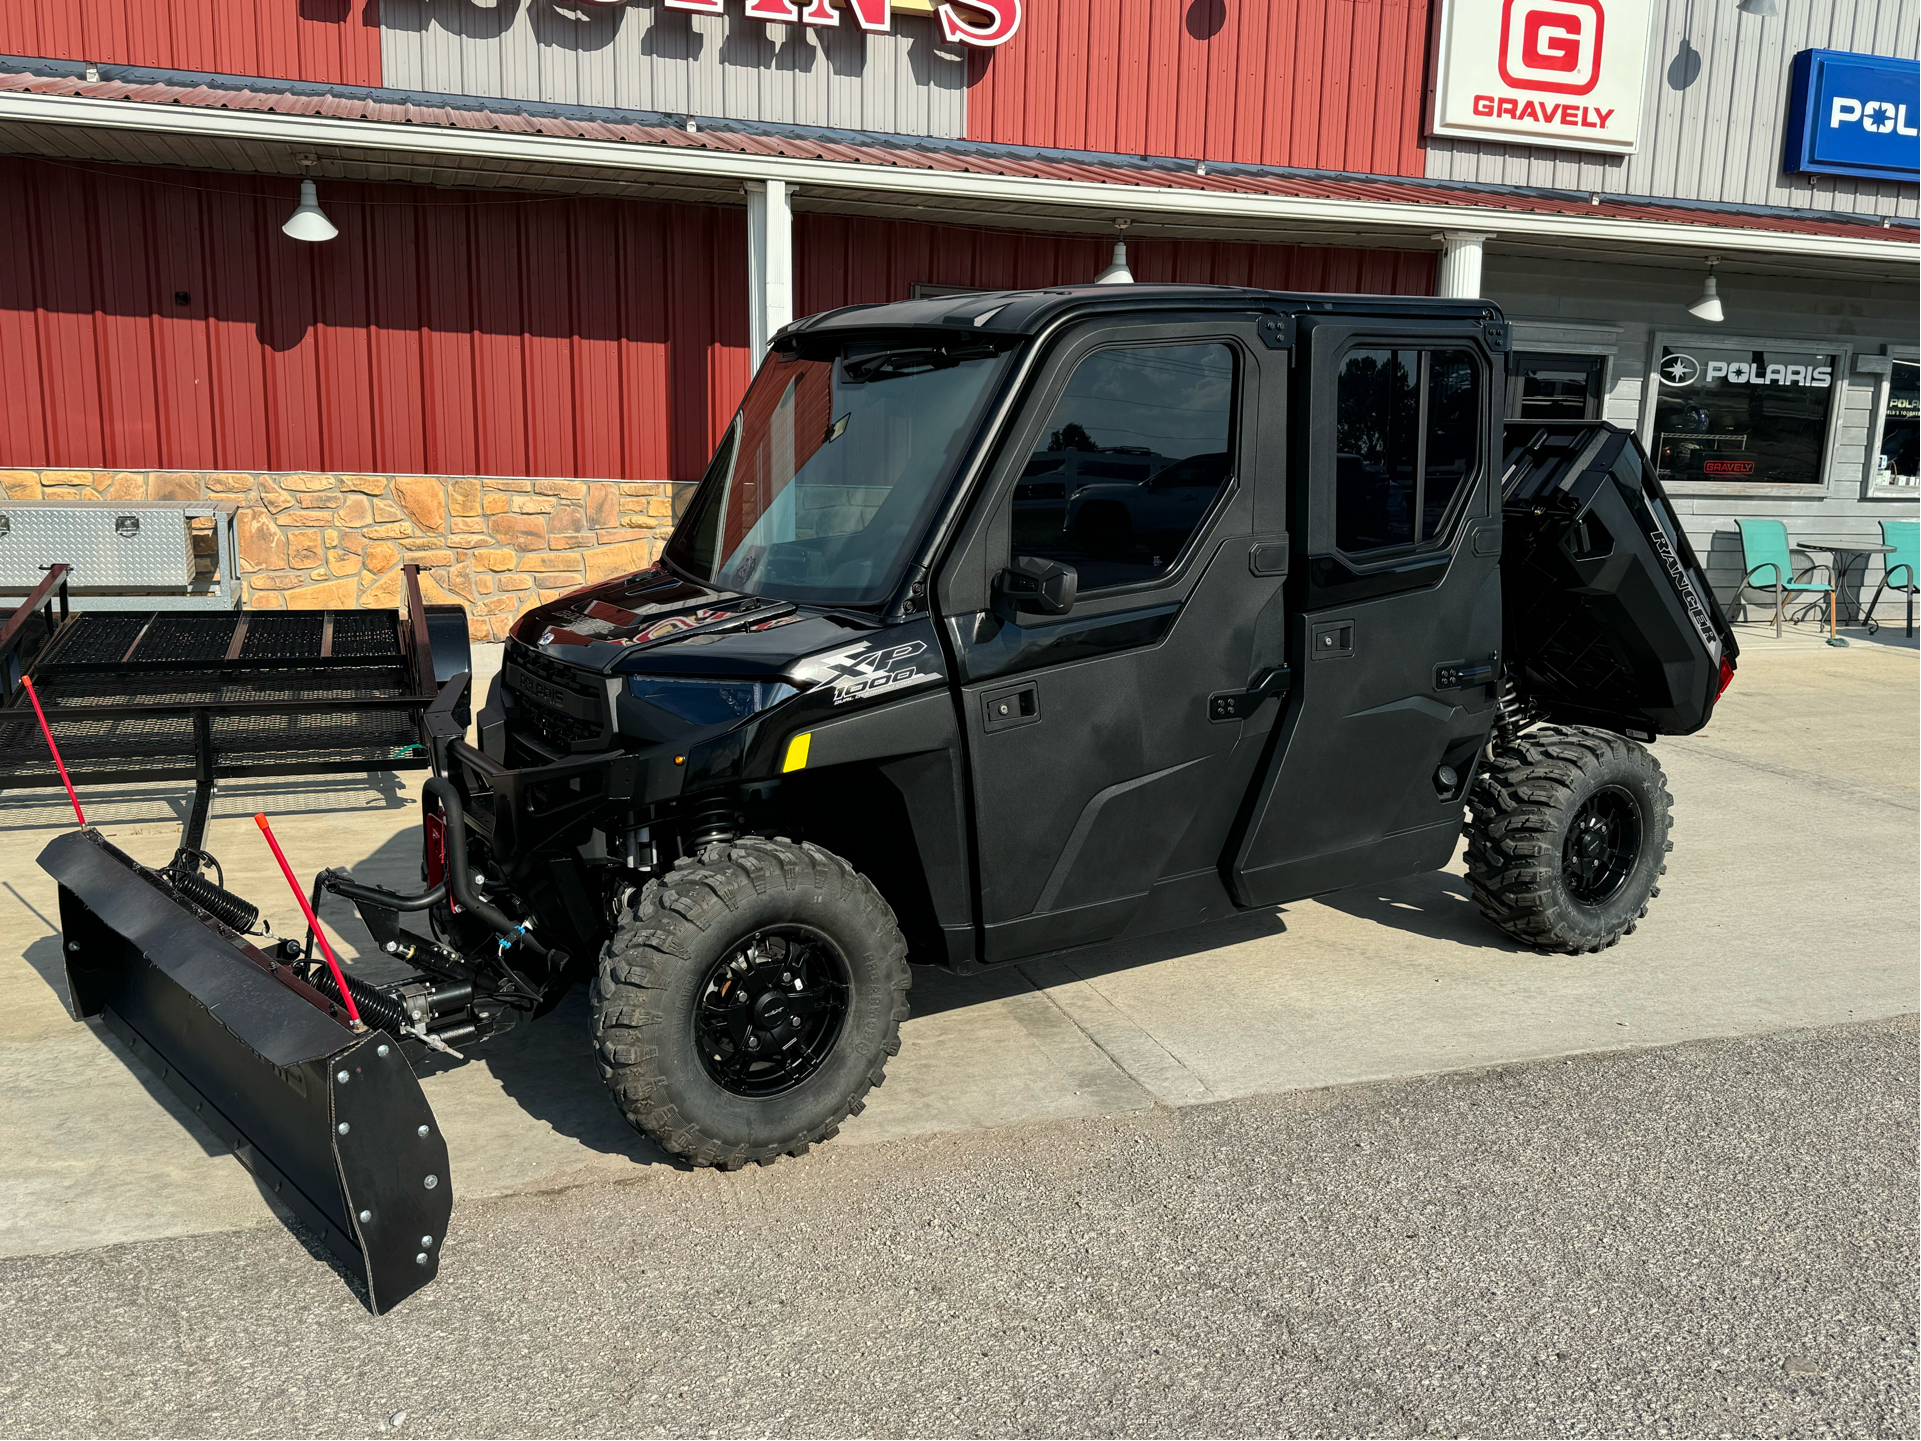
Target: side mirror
<point x="1032" y="583"/>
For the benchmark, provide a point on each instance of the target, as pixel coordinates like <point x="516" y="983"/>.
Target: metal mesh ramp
<point x="177" y="695"/>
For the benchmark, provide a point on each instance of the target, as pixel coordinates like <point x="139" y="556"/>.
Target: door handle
<point x="1003" y="709"/>
<point x="1331" y="640"/>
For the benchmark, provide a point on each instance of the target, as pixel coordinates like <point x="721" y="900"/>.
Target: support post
<point x="770" y="263"/>
<point x="1459" y="274"/>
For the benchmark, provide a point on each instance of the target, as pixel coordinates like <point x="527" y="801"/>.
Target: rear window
<point x="1407" y="439"/>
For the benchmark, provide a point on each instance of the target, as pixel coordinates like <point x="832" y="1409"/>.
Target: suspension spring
<point x="710" y="820"/>
<point x="1516" y="714"/>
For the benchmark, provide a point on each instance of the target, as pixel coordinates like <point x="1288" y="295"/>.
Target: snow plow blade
<point x="330" y="1120"/>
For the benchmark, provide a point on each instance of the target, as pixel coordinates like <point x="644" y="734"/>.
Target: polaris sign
<point x="1854" y="115"/>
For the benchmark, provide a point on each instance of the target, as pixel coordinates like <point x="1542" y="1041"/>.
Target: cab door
<point x="1398" y="626"/>
<point x="1105" y="770"/>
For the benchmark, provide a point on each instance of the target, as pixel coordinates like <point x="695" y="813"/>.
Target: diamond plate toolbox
<point x="109" y="545"/>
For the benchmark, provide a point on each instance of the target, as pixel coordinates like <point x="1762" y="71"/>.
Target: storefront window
<point x="1742" y="415"/>
<point x="1555" y="387"/>
<point x="1895" y="461"/>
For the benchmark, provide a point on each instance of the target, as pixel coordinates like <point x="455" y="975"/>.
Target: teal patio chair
<point x="1905" y="537"/>
<point x="1765" y="561"/>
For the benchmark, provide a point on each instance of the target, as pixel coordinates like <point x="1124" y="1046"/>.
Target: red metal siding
<point x="845" y="260"/>
<point x="443" y="332"/>
<point x="1323" y="84"/>
<point x="334" y="40"/>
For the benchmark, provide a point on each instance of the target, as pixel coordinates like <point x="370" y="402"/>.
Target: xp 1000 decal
<point x="876" y="666"/>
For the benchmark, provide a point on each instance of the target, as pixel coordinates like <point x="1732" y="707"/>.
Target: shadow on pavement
<point x="1434" y="904"/>
<point x="547" y="1068"/>
<point x="167" y="802"/>
<point x="936" y="990"/>
<point x="48" y="962"/>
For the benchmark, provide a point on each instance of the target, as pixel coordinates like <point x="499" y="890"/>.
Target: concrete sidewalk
<point x="1791" y="901"/>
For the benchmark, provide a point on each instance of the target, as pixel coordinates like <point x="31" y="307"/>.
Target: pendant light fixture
<point x="1708" y="307"/>
<point x="1766" y="9"/>
<point x="309" y="221"/>
<point x="1117" y="272"/>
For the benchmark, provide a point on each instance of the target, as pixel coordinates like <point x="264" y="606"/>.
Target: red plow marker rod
<point x="346" y="996"/>
<point x="58" y="764"/>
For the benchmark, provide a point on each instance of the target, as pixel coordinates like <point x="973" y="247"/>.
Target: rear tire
<point x="1568" y="837"/>
<point x="748" y="1000"/>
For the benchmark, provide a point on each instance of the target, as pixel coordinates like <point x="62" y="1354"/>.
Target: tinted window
<point x="1130" y="463"/>
<point x="1407" y="439"/>
<point x="1377" y="444"/>
<point x="1453" y="425"/>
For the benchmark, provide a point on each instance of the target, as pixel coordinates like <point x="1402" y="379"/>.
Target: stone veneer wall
<point x="313" y="541"/>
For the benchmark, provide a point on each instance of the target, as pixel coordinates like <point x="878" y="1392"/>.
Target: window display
<point x="1895" y="459"/>
<point x="1742" y="415"/>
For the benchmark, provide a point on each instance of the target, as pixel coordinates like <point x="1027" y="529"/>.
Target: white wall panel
<point x="1717" y="136"/>
<point x="641" y="56"/>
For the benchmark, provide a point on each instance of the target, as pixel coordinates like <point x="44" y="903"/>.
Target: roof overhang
<point x="259" y="141"/>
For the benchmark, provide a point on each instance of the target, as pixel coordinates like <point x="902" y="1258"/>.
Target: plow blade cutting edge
<point x="330" y="1120"/>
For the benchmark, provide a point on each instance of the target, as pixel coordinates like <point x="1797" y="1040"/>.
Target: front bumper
<point x="522" y="812"/>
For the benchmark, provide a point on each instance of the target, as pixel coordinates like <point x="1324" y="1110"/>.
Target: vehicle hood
<point x="661" y="623"/>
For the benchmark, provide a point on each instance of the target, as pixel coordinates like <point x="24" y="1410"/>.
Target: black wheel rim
<point x="1603" y="843"/>
<point x="770" y="1011"/>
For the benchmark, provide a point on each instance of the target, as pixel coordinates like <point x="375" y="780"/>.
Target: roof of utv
<point x="1023" y="312"/>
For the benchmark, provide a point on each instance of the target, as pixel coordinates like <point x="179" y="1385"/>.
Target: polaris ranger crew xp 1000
<point x="1007" y="623"/>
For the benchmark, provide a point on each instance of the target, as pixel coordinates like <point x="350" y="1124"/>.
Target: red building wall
<point x="455" y="332"/>
<point x="333" y="40"/>
<point x="842" y="260"/>
<point x="1321" y="84"/>
<point x="443" y="332"/>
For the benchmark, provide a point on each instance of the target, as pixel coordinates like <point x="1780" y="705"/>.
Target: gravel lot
<point x="1713" y="1239"/>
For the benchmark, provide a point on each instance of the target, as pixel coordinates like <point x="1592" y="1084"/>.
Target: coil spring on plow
<point x="377" y="1008"/>
<point x="217" y="901"/>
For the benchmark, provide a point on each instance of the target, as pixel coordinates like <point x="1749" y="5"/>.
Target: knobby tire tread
<point x="658" y="932"/>
<point x="1517" y="808"/>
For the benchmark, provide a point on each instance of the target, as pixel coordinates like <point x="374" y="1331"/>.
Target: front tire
<point x="1568" y="837"/>
<point x="748" y="1000"/>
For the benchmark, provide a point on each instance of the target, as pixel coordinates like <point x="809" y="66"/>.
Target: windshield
<point x="825" y="481"/>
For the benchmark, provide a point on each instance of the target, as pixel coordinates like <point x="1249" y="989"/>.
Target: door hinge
<point x="1232" y="705"/>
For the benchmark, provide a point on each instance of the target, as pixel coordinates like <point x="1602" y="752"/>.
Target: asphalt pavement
<point x="1717" y="1238"/>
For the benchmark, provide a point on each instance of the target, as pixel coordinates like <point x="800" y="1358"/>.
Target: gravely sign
<point x="1561" y="73"/>
<point x="967" y="22"/>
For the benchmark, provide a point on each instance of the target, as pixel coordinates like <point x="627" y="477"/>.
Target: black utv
<point x="1008" y="623"/>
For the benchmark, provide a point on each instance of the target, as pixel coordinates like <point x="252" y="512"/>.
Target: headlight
<point x="709" y="702"/>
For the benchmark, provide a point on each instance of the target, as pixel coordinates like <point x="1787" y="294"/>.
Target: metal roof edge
<point x="1173" y="165"/>
<point x="1396" y="217"/>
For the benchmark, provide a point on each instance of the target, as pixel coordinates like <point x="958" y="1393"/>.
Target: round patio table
<point x="1843" y="552"/>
